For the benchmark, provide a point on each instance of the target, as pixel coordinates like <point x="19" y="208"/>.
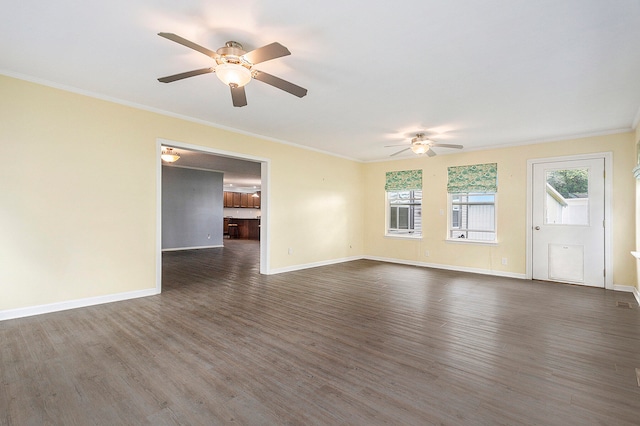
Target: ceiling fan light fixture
<point x="234" y="75"/>
<point x="169" y="155"/>
<point x="420" y="144"/>
<point x="235" y="67"/>
<point x="419" y="148"/>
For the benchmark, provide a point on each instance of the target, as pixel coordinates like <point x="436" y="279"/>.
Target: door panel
<point x="568" y="222"/>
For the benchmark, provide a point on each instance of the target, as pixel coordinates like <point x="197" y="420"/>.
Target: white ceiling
<point x="479" y="73"/>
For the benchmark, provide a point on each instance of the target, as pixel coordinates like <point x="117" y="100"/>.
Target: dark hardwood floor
<point x="362" y="343"/>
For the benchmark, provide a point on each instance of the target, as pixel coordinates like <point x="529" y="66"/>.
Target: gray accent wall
<point x="192" y="207"/>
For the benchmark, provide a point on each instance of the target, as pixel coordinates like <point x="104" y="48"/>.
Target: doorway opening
<point x="568" y="220"/>
<point x="236" y="172"/>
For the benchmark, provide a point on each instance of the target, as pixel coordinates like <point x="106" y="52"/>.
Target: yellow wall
<point x="78" y="205"/>
<point x="80" y="222"/>
<point x="511" y="207"/>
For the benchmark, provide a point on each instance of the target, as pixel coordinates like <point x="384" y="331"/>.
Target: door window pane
<point x="567" y="197"/>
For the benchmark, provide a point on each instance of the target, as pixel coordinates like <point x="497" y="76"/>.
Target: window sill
<point x="404" y="236"/>
<point x="465" y="241"/>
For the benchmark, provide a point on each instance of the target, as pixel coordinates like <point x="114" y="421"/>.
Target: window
<point x="472" y="202"/>
<point x="404" y="203"/>
<point x="473" y="216"/>
<point x="404" y="212"/>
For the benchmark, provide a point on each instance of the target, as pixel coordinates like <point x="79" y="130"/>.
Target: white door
<point x="568" y="222"/>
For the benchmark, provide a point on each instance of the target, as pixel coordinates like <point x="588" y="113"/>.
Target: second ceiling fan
<point x="421" y="144"/>
<point x="235" y="67"/>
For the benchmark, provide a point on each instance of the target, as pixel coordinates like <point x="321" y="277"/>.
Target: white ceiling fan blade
<point x="446" y="145"/>
<point x="431" y="153"/>
<point x="402" y="150"/>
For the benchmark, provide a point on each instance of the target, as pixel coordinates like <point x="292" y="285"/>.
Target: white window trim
<point x="404" y="236"/>
<point x="493" y="242"/>
<point x="474" y="242"/>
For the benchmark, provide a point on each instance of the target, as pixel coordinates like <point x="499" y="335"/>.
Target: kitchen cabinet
<point x="228" y="199"/>
<point x="235" y="200"/>
<point x="255" y="201"/>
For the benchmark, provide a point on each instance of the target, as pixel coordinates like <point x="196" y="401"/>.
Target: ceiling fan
<point x="421" y="144"/>
<point x="235" y="67"/>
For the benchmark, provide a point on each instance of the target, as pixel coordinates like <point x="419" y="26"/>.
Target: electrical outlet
<point x="426" y="253"/>
<point x="504" y="260"/>
<point x="208" y="236"/>
<point x="290" y="251"/>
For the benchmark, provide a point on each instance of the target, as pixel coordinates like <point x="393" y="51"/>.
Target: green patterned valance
<point x="404" y="180"/>
<point x="475" y="178"/>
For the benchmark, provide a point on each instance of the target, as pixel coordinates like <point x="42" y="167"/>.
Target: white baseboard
<point x="73" y="304"/>
<point x="81" y="303"/>
<point x="400" y="261"/>
<point x="449" y="267"/>
<point x="312" y="265"/>
<point x="192" y="248"/>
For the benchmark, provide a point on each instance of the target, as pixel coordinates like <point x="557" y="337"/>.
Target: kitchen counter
<point x="248" y="229"/>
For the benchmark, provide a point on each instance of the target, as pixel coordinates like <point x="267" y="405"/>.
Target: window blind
<point x="474" y="178"/>
<point x="405" y="180"/>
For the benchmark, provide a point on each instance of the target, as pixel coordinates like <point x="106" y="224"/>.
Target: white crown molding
<point x="90" y="94"/>
<point x="636" y="120"/>
<point x="523" y="143"/>
<point x="604" y="132"/>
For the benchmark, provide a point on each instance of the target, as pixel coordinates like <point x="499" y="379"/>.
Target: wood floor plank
<point x="362" y="342"/>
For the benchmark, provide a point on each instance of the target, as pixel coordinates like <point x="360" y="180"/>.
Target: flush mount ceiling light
<point x="235" y="67"/>
<point x="169" y="155"/>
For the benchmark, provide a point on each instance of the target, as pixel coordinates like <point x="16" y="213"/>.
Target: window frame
<point x="410" y="231"/>
<point x="451" y="229"/>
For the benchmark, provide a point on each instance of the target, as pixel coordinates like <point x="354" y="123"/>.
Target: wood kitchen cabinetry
<point x="254" y="202"/>
<point x="227" y="199"/>
<point x="244" y="200"/>
<point x="241" y="200"/>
